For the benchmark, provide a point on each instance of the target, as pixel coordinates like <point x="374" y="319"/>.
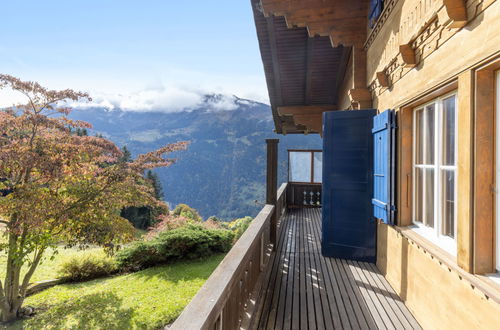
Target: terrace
<point x="284" y="281"/>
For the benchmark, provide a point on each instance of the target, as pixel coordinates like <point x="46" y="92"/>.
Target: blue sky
<point x="134" y="50"/>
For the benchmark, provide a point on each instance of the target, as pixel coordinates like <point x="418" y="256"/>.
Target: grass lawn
<point x="148" y="299"/>
<point x="48" y="269"/>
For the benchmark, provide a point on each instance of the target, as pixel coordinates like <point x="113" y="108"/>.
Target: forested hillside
<point x="223" y="171"/>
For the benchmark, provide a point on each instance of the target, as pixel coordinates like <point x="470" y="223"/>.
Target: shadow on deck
<point x="301" y="289"/>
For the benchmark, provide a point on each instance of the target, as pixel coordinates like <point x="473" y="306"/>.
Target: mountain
<point x="223" y="171"/>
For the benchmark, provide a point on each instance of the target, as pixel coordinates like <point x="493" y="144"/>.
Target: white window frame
<point x="434" y="235"/>
<point x="312" y="173"/>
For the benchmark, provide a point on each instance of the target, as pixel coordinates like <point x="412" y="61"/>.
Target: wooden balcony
<point x="303" y="290"/>
<point x="294" y="287"/>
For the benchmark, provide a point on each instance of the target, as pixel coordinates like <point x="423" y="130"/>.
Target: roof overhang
<point x="305" y="47"/>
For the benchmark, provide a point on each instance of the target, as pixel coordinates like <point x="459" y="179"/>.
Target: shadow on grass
<point x="92" y="311"/>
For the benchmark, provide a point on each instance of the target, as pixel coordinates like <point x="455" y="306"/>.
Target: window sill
<point x="485" y="285"/>
<point x="494" y="277"/>
<point x="448" y="244"/>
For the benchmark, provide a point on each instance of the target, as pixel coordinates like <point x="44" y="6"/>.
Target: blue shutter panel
<point x="383" y="169"/>
<point x="376" y="7"/>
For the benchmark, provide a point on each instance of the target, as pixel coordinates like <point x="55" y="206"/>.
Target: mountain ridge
<point x="223" y="171"/>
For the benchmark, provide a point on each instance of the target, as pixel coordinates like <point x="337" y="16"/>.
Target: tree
<point x="187" y="211"/>
<point x="58" y="186"/>
<point x="126" y="155"/>
<point x="145" y="216"/>
<point x="155" y="182"/>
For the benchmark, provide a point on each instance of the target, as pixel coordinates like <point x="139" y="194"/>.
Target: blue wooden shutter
<point x="384" y="166"/>
<point x="348" y="231"/>
<point x="376" y="7"/>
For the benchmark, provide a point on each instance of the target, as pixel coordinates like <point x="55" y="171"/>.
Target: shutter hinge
<point x="392" y="208"/>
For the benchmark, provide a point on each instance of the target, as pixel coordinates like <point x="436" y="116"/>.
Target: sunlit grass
<point x="49" y="268"/>
<point x="148" y="299"/>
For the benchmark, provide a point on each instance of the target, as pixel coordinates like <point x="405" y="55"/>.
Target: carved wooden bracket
<point x="344" y="21"/>
<point x="360" y="98"/>
<point x="457" y="11"/>
<point x="408" y="55"/>
<point x="382" y="79"/>
<point x="313" y="122"/>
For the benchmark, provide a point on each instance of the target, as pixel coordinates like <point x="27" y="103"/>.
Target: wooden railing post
<point x="272" y="184"/>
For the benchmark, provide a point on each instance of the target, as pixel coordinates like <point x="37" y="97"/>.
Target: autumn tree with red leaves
<point x="57" y="186"/>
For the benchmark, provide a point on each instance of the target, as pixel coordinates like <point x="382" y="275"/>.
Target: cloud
<point x="165" y="99"/>
<point x="169" y="99"/>
<point x="174" y="91"/>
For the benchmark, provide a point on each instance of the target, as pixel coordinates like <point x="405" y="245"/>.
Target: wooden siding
<point x="304" y="290"/>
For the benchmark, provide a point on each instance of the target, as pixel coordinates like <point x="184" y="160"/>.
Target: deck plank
<point x="303" y="290"/>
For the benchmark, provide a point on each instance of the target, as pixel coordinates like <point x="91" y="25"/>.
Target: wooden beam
<point x="408" y="55"/>
<point x="465" y="170"/>
<point x="484" y="172"/>
<point x="276" y="70"/>
<point x="457" y="12"/>
<point x="344" y="21"/>
<point x="313" y="122"/>
<point x="272" y="184"/>
<point x="305" y="109"/>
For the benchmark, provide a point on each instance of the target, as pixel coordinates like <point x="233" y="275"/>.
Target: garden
<point x="86" y="241"/>
<point x="146" y="284"/>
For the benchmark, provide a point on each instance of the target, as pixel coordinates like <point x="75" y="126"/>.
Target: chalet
<point x="394" y="224"/>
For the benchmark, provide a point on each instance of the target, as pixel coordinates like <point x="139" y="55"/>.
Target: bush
<point x="238" y="226"/>
<point x="186" y="211"/>
<point x="167" y="222"/>
<point x="88" y="267"/>
<point x="188" y="242"/>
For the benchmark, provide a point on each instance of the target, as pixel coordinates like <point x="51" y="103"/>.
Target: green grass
<point x="148" y="299"/>
<point x="48" y="269"/>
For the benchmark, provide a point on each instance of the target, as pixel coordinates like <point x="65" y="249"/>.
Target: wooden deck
<point x="302" y="289"/>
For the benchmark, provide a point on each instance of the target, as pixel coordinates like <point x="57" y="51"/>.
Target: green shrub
<point x="186" y="211"/>
<point x="238" y="226"/>
<point x="188" y="242"/>
<point x="87" y="267"/>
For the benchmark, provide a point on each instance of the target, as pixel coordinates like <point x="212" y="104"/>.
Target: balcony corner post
<point x="272" y="184"/>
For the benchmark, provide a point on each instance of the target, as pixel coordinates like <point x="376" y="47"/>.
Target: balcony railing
<point x="224" y="301"/>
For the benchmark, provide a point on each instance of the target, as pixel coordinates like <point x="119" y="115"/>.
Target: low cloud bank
<point x="165" y="99"/>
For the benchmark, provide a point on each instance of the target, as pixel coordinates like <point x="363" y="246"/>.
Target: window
<point x="434" y="171"/>
<point x="305" y="166"/>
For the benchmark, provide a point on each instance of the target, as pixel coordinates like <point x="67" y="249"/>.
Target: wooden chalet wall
<point x="416" y="51"/>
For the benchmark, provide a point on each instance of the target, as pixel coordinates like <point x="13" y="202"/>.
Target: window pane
<point x="429" y="197"/>
<point x="419" y="202"/>
<point x="449" y="131"/>
<point x="419" y="137"/>
<point x="448" y="202"/>
<point x="429" y="136"/>
<point x="318" y="166"/>
<point x="300" y="166"/>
